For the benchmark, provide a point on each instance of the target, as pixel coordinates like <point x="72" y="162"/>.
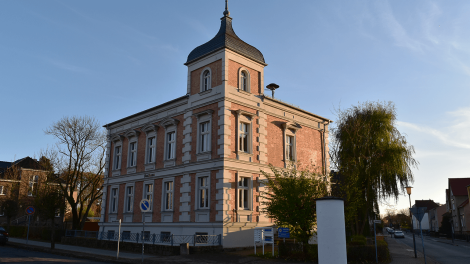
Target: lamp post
<point x="408" y="191"/>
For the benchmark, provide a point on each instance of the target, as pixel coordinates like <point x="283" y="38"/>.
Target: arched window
<point x="207" y="81"/>
<point x="244" y="80"/>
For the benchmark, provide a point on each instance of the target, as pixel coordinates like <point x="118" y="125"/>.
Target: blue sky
<point x="110" y="59"/>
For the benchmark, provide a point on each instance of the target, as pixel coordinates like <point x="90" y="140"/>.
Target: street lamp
<point x="408" y="191"/>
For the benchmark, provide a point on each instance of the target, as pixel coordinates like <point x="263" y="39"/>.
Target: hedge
<point x="35" y="232"/>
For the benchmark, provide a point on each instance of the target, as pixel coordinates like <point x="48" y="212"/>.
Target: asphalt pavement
<point x="440" y="250"/>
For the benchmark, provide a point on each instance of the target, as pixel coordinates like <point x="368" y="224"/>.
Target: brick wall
<point x="138" y="189"/>
<point x="216" y="78"/>
<point x="233" y="78"/>
<point x="275" y="141"/>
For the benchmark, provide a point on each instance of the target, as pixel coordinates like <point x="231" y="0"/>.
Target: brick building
<point x="457" y="203"/>
<point x="198" y="157"/>
<point x="19" y="181"/>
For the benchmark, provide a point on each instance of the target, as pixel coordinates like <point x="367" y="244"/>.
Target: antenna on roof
<point x="272" y="87"/>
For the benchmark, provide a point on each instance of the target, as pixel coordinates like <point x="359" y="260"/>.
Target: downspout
<point x="324" y="147"/>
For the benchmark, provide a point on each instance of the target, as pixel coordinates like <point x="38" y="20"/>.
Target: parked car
<point x="399" y="234"/>
<point x="3" y="236"/>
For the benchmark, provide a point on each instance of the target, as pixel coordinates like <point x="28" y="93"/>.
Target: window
<point x="168" y="195"/>
<point x="165" y="237"/>
<point x="57" y="213"/>
<point x="290" y="148"/>
<point x="117" y="157"/>
<point x="132" y="154"/>
<point x="205" y="136"/>
<point x="244" y="135"/>
<point x="33" y="183"/>
<point x="201" y="238"/>
<point x="244" y="80"/>
<point x="129" y="198"/>
<point x="151" y="149"/>
<point x="203" y="192"/>
<point x="206" y="82"/>
<point x="3" y="190"/>
<point x="148" y="193"/>
<point x="126" y="235"/>
<point x="114" y="200"/>
<point x="171" y="142"/>
<point x="243" y="193"/>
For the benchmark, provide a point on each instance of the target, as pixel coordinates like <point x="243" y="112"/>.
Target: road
<point x="10" y="254"/>
<point x="440" y="251"/>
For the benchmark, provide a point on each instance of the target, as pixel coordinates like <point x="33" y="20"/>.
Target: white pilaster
<point x="185" y="198"/>
<point x="224" y="131"/>
<point x="223" y="197"/>
<point x="188" y="120"/>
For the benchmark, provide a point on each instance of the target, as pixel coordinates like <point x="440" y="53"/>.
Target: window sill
<point x="116" y="172"/>
<point x="205" y="92"/>
<point x="203" y="156"/>
<point x="169" y="163"/>
<point x="245" y="156"/>
<point x="243" y="92"/>
<point x="149" y="166"/>
<point x="132" y="169"/>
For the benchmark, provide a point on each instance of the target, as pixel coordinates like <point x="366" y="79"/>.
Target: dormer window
<point x="206" y="81"/>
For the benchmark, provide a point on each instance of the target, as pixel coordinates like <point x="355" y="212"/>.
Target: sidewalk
<point x="403" y="254"/>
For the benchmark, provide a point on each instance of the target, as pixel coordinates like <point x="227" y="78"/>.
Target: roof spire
<point x="226" y="12"/>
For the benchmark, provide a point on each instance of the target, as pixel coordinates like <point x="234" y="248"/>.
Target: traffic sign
<point x="283" y="232"/>
<point x="418" y="212"/>
<point x="377" y="221"/>
<point x="30" y="210"/>
<point x="145" y="205"/>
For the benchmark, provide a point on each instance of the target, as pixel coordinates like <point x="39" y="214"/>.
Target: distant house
<point x="457" y="202"/>
<point x="19" y="181"/>
<point x="435" y="217"/>
<point x="429" y="204"/>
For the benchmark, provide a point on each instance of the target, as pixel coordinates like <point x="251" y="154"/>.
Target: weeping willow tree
<point x="372" y="159"/>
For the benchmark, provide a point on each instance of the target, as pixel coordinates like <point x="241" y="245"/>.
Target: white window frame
<point x="116" y="201"/>
<point x="33" y="183"/>
<point x="290" y="148"/>
<point x="203" y="88"/>
<point x="204" y="117"/>
<point x="240" y="81"/>
<point x="205" y="188"/>
<point x="245" y="118"/>
<point x="165" y="195"/>
<point x="146" y="194"/>
<point x="129" y="197"/>
<point x="132" y="136"/>
<point x="290" y="130"/>
<point x="151" y="132"/>
<point x="3" y="190"/>
<point x="171" y="125"/>
<point x="249" y="191"/>
<point x="117" y="142"/>
<point x="244" y="136"/>
<point x="132" y="153"/>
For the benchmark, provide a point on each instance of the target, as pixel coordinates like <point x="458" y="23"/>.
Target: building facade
<point x="457" y="203"/>
<point x="198" y="157"/>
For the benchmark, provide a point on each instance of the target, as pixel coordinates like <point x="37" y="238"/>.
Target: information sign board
<point x="377" y="221"/>
<point x="283" y="232"/>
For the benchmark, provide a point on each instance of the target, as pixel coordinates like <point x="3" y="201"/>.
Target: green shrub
<point x="358" y="241"/>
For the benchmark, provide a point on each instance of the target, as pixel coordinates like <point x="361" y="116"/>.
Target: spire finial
<point x="226" y="12"/>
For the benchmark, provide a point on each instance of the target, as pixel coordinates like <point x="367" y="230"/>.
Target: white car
<point x="399" y="234"/>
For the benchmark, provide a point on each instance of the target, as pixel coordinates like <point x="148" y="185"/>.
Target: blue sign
<point x="418" y="212"/>
<point x="145" y="205"/>
<point x="30" y="210"/>
<point x="283" y="232"/>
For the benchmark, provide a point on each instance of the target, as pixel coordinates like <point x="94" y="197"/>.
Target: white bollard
<point x="331" y="232"/>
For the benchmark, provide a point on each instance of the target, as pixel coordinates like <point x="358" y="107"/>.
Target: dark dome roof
<point x="226" y="38"/>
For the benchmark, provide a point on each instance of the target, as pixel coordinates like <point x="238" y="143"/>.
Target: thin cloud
<point x="66" y="66"/>
<point x="455" y="135"/>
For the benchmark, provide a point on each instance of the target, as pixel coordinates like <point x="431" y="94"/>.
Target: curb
<point x="68" y="253"/>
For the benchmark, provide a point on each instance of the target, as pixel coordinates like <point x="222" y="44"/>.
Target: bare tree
<point x="79" y="162"/>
